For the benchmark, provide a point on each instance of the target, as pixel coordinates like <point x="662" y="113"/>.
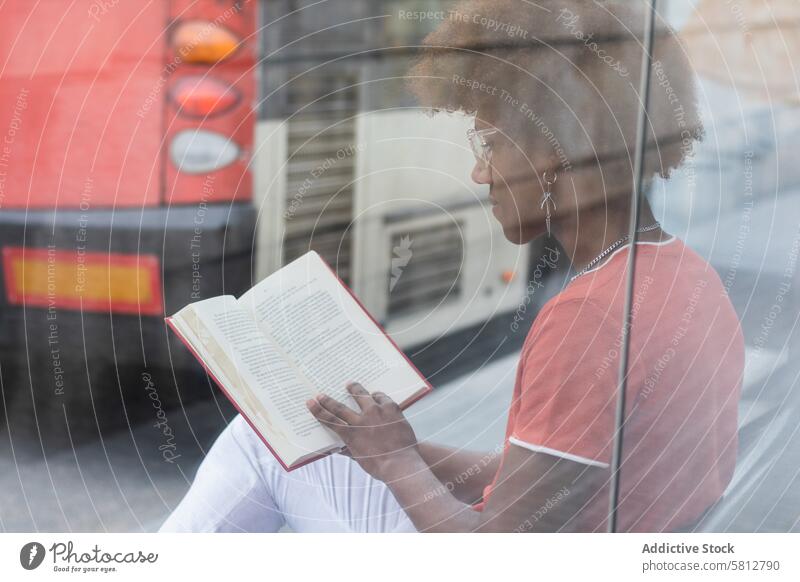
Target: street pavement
<point x="123" y="484"/>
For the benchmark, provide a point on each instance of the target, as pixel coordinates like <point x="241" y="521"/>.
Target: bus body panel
<point x="82" y="134"/>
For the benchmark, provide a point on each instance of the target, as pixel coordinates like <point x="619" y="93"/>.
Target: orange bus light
<point x="203" y="42"/>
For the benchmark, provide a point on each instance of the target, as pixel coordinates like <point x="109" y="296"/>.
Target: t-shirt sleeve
<point x="568" y="385"/>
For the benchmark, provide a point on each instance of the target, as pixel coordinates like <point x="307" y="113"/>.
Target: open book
<point x="298" y="333"/>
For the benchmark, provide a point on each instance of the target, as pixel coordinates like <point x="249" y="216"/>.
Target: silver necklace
<point x="601" y="256"/>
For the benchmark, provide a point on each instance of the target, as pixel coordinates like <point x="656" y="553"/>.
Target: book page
<point x="315" y="320"/>
<point x="270" y="388"/>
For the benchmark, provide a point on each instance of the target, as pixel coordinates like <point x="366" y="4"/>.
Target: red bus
<point x="125" y="191"/>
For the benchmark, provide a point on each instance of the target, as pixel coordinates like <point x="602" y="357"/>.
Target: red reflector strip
<point x="100" y="282"/>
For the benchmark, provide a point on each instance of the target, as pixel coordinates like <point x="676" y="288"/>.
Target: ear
<point x="556" y="164"/>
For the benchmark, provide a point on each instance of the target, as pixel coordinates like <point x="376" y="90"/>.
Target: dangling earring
<point x="547" y="198"/>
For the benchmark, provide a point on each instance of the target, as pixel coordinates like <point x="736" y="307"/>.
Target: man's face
<point x="515" y="186"/>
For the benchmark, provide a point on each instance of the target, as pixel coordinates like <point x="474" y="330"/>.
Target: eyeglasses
<point x="481" y="149"/>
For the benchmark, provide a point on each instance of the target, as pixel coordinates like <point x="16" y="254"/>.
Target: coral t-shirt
<point x="686" y="362"/>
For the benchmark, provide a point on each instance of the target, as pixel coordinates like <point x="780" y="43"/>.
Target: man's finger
<point x="381" y="398"/>
<point x="325" y="416"/>
<point x="347" y="414"/>
<point x="360" y="395"/>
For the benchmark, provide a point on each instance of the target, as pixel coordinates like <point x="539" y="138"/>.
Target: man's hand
<point x="378" y="438"/>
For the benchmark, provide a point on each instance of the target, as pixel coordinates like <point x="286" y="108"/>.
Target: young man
<point x="554" y="140"/>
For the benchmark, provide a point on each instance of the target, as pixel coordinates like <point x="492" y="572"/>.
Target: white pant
<point x="241" y="487"/>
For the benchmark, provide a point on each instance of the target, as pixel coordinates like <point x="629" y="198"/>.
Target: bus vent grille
<point x="321" y="169"/>
<point x="425" y="268"/>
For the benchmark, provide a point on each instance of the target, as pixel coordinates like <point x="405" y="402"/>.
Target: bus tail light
<point x="198" y="151"/>
<point x="211" y="100"/>
<point x="101" y="282"/>
<point x="203" y="42"/>
<point x="204" y="97"/>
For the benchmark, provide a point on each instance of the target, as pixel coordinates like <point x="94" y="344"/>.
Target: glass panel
<point x="471" y="170"/>
<point x="713" y="366"/>
<point x="441" y="233"/>
<point x="553" y="95"/>
<point x="554" y="92"/>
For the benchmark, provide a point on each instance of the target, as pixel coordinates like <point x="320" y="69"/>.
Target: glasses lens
<point x="480" y="150"/>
